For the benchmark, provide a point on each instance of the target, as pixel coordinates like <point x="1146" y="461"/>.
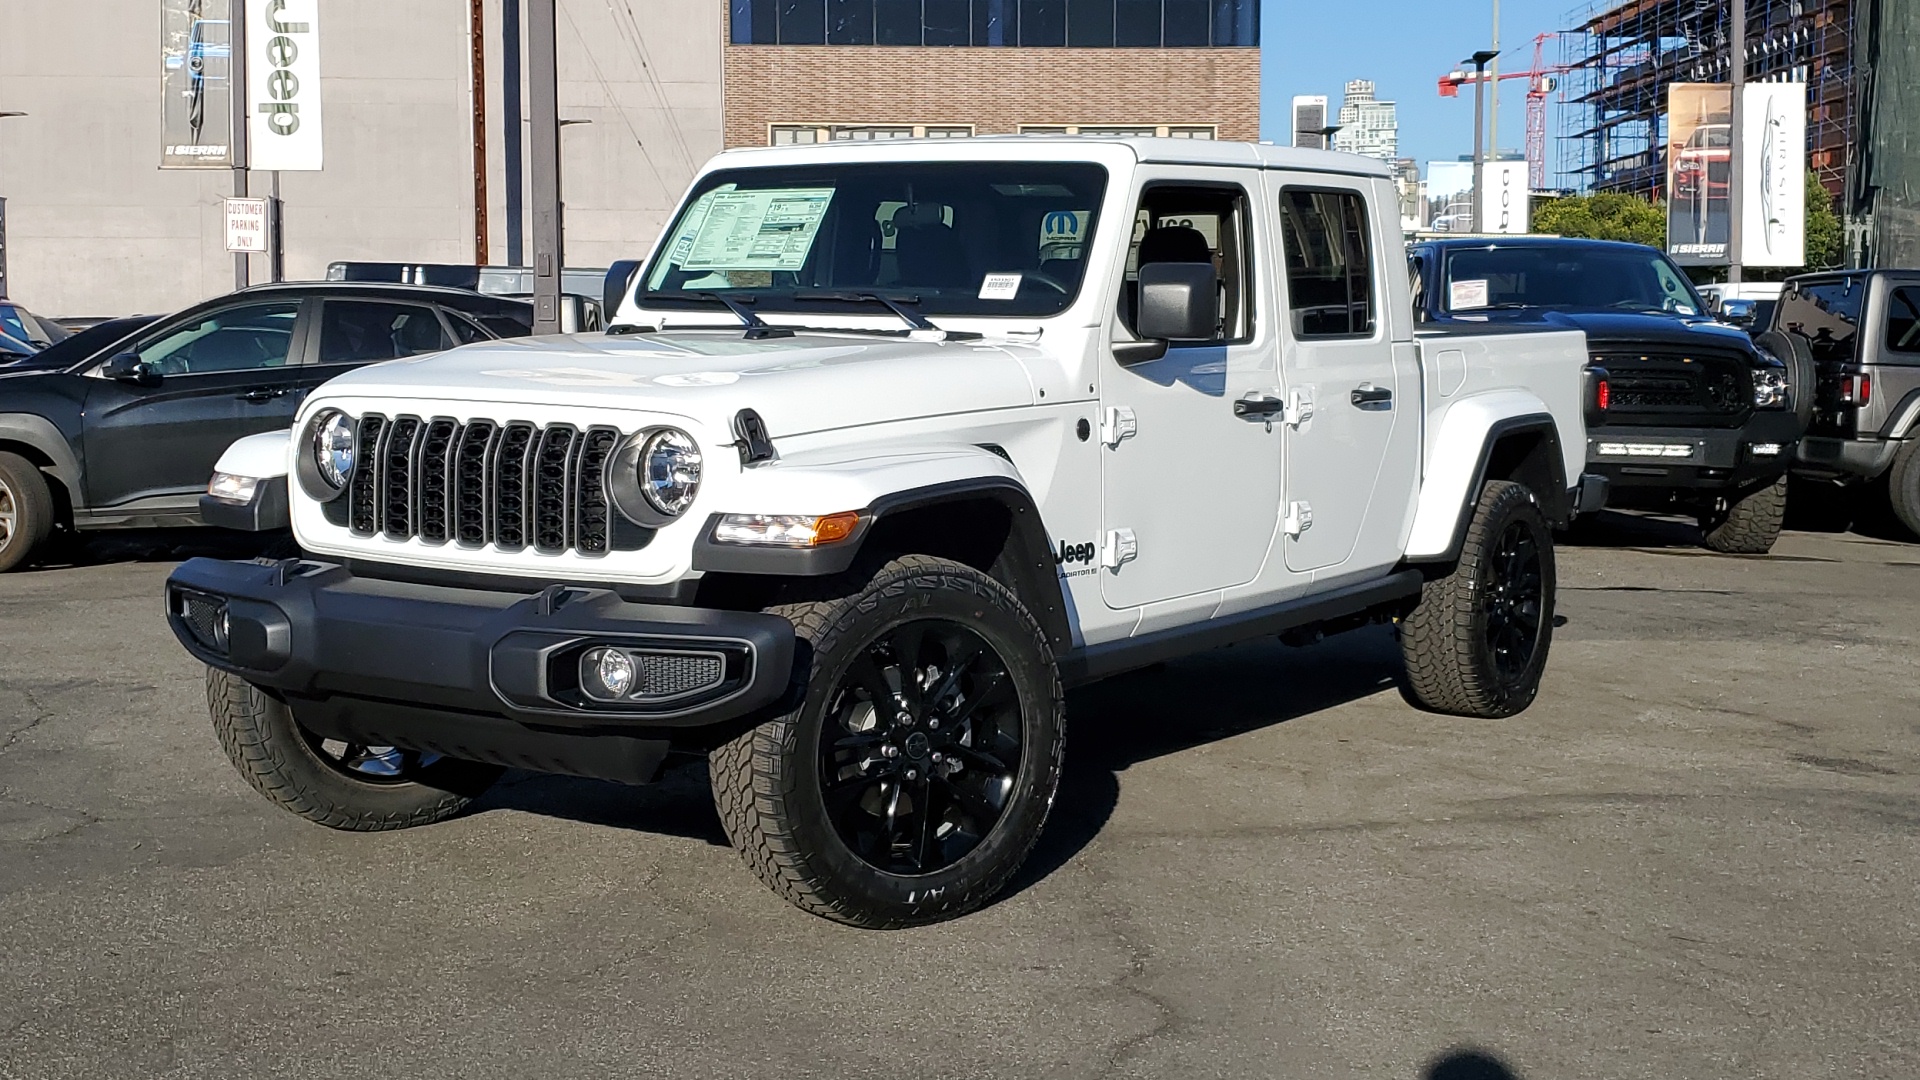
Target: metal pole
<point x="1493" y="80"/>
<point x="1479" y="147"/>
<point x="237" y="92"/>
<point x="543" y="92"/>
<point x="276" y="219"/>
<point x="477" y="42"/>
<point x="513" y="145"/>
<point x="1736" y="205"/>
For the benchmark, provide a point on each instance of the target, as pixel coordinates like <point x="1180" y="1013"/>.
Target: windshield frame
<point x="1653" y="257"/>
<point x="1091" y="177"/>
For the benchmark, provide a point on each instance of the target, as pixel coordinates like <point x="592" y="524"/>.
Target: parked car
<point x="22" y="325"/>
<point x="81" y="345"/>
<point x="1700" y="420"/>
<point x="843" y="504"/>
<point x="580" y="297"/>
<point x="14" y="351"/>
<point x="128" y="435"/>
<point x="1861" y="330"/>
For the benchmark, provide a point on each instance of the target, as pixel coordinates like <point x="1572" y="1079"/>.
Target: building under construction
<point x="1621" y="57"/>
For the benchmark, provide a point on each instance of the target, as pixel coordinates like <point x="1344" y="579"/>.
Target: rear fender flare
<point x="1458" y="467"/>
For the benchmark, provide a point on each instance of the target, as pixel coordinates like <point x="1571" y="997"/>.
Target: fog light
<point x="1765" y="449"/>
<point x="222" y="631"/>
<point x="607" y="673"/>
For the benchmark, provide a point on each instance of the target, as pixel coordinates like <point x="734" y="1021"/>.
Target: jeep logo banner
<point x="283" y="85"/>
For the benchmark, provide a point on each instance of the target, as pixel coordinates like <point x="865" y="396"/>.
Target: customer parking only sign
<point x="247" y="225"/>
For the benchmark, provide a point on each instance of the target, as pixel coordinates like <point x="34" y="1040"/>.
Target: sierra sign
<point x="283" y="85"/>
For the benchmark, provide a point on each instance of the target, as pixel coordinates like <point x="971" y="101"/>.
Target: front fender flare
<point x="1462" y="450"/>
<point x="39" y="433"/>
<point x="261" y="456"/>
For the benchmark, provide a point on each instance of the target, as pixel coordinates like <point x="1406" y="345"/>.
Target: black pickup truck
<point x="1699" y="419"/>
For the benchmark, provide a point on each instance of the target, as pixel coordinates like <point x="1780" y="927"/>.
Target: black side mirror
<point x="1178" y="302"/>
<point x="619" y="276"/>
<point x="127" y="368"/>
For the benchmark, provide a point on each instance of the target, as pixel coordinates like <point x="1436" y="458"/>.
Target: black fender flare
<point x="39" y="433"/>
<point x="1556" y="501"/>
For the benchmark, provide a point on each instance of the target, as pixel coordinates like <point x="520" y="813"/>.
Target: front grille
<point x="1704" y="390"/>
<point x="513" y="485"/>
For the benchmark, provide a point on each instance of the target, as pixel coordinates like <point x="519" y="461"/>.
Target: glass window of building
<point x="1123" y="131"/>
<point x="1079" y="24"/>
<point x="806" y="134"/>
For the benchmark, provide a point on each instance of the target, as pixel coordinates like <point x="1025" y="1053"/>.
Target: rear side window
<point x="1329" y="263"/>
<point x="1826" y="314"/>
<point x="1903" y="321"/>
<point x="364" y="331"/>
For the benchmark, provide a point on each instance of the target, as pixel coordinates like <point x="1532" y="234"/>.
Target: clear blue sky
<point x="1315" y="46"/>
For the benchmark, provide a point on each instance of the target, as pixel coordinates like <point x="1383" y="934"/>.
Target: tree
<point x="1604" y="216"/>
<point x="1826" y="234"/>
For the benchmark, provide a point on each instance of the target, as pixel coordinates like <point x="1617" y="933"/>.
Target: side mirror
<point x="127" y="368"/>
<point x="1737" y="312"/>
<point x="619" y="277"/>
<point x="1178" y="302"/>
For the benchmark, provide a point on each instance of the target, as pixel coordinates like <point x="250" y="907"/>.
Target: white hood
<point x="805" y="383"/>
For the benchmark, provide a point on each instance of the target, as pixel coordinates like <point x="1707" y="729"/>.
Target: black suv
<point x="127" y="436"/>
<point x="1698" y="418"/>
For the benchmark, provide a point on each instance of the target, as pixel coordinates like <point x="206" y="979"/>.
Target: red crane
<point x="1542" y="81"/>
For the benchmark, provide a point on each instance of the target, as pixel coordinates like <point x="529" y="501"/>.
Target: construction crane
<point x="1542" y="81"/>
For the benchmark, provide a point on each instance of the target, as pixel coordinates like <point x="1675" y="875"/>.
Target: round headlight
<point x="333" y="446"/>
<point x="670" y="471"/>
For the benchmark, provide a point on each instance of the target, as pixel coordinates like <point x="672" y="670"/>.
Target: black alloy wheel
<point x="921" y="747"/>
<point x="1513" y="594"/>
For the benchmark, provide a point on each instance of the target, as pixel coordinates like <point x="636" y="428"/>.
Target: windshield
<point x="19" y="323"/>
<point x="948" y="238"/>
<point x="1572" y="278"/>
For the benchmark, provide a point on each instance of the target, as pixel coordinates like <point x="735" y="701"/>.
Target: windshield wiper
<point x="757" y="328"/>
<point x="901" y="306"/>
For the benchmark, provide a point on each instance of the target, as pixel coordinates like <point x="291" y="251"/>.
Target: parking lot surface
<point x="1698" y="855"/>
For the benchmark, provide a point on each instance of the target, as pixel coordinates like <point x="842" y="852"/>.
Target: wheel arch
<point x="36" y="439"/>
<point x="1523" y="447"/>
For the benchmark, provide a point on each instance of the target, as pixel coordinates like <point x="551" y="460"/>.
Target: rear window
<point x="1903" y="321"/>
<point x="1826" y="314"/>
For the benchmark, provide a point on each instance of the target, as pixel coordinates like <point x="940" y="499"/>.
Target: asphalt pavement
<point x="1696" y="856"/>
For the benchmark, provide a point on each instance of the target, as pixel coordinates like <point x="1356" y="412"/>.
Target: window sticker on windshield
<point x="771" y="229"/>
<point x="1000" y="287"/>
<point x="1468" y="295"/>
<point x="1062" y="232"/>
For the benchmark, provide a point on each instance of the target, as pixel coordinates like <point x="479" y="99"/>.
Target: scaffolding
<point x="1621" y="57"/>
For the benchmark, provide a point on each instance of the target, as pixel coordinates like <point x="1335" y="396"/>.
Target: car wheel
<point x="26" y="510"/>
<point x="1477" y="643"/>
<point x="915" y="776"/>
<point x="334" y="783"/>
<point x="1903" y="485"/>
<point x="1749" y="524"/>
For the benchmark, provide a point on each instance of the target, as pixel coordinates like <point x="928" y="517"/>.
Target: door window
<point x="367" y="331"/>
<point x="1329" y="263"/>
<point x="1181" y="224"/>
<point x="1903" y="321"/>
<point x="235" y="339"/>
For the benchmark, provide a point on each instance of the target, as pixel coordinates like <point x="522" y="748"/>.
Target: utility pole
<point x="513" y="132"/>
<point x="1736" y="146"/>
<point x="1479" y="61"/>
<point x="543" y="93"/>
<point x="477" y="72"/>
<point x="237" y="92"/>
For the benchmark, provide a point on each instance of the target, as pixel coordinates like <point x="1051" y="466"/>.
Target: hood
<point x="1624" y="327"/>
<point x="808" y="382"/>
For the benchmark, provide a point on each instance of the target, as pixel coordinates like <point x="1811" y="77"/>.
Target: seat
<point x="932" y="256"/>
<point x="1175" y="244"/>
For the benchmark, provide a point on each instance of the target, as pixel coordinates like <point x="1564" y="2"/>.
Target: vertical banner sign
<point x="1773" y="229"/>
<point x="196" y="85"/>
<point x="1506" y="206"/>
<point x="283" y="85"/>
<point x="1699" y="168"/>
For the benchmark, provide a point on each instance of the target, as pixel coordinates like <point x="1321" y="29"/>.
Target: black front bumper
<point x="471" y="673"/>
<point x="1716" y="459"/>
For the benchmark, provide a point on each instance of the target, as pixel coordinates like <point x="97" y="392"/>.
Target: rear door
<point x="216" y="377"/>
<point x="1353" y="423"/>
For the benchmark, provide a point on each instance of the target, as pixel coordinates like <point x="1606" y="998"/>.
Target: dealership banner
<point x="283" y="85"/>
<point x="1773" y="181"/>
<point x="196" y="88"/>
<point x="1699" y="165"/>
<point x="1506" y="207"/>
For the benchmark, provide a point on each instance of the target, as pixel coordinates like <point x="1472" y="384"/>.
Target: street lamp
<point x="1325" y="134"/>
<point x="1479" y="60"/>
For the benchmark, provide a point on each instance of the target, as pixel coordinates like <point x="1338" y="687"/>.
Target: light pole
<point x="1324" y="134"/>
<point x="543" y="94"/>
<point x="3" y="224"/>
<point x="1736" y="205"/>
<point x="1479" y="60"/>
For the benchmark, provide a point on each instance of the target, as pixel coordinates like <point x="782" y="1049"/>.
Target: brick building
<point x="815" y="70"/>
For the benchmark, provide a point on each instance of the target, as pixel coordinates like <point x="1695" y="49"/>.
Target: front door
<point x="214" y="379"/>
<point x="1353" y="420"/>
<point x="1191" y="490"/>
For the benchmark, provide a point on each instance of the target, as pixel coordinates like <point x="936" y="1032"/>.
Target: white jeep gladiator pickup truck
<point x="888" y="444"/>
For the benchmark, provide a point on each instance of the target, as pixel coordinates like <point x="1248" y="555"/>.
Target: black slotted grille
<point x="514" y="485"/>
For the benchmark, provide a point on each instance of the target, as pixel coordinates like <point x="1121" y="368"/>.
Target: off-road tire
<point x="274" y="754"/>
<point x="766" y="783"/>
<point x="1750" y="525"/>
<point x="1451" y="666"/>
<point x="1903" y="485"/>
<point x="24" y="489"/>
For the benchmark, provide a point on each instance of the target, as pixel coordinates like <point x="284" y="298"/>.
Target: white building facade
<point x="1368" y="126"/>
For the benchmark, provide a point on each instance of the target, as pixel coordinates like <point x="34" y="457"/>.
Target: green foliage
<point x="1826" y="233"/>
<point x="1604" y="216"/>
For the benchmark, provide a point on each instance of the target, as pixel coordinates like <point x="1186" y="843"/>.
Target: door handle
<point x="261" y="394"/>
<point x="1259" y="407"/>
<point x="1372" y="398"/>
